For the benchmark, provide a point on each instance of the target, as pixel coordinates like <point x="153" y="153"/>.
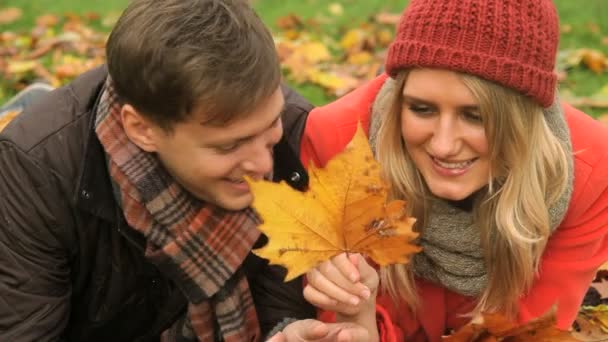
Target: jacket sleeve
<point x="575" y="251"/>
<point x="34" y="269"/>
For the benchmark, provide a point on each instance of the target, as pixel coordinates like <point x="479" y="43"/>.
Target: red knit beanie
<point x="511" y="42"/>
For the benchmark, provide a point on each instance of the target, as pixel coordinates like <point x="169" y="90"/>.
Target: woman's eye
<point x="473" y="117"/>
<point x="421" y="109"/>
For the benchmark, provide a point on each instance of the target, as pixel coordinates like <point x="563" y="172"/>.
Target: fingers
<point x="369" y="275"/>
<point x="302" y="330"/>
<point x="313" y="330"/>
<point x="333" y="280"/>
<point x="350" y="332"/>
<point x="278" y="337"/>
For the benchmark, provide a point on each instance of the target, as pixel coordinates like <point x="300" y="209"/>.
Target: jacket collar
<point x="94" y="191"/>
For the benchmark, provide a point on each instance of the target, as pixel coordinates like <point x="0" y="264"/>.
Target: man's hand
<point x="313" y="330"/>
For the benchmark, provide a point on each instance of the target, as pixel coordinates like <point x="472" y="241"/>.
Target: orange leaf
<point x="289" y="22"/>
<point x="344" y="210"/>
<point x="595" y="60"/>
<point x="495" y="327"/>
<point x="10" y="15"/>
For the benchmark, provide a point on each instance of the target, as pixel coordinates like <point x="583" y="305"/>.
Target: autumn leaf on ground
<point x="592" y="323"/>
<point x="495" y="327"/>
<point x="344" y="210"/>
<point x="9" y="15"/>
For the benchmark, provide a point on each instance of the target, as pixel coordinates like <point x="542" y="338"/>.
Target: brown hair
<point x="168" y="58"/>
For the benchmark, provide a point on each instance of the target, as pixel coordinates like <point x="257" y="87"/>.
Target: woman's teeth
<point x="459" y="165"/>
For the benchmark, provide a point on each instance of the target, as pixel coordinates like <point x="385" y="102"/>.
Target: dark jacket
<point x="70" y="266"/>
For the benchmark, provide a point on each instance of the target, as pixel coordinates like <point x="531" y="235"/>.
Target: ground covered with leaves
<point x="323" y="56"/>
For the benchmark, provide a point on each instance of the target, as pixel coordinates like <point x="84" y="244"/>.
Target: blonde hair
<point x="529" y="173"/>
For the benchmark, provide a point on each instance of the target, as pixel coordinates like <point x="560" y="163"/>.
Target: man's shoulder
<point x="55" y="112"/>
<point x="53" y="132"/>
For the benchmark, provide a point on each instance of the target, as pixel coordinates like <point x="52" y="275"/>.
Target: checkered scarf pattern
<point x="198" y="245"/>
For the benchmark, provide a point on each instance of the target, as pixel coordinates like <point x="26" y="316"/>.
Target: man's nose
<point x="259" y="159"/>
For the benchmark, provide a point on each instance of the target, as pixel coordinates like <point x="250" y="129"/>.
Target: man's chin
<point x="236" y="204"/>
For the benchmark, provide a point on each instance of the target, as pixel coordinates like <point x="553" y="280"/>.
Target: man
<point x="124" y="215"/>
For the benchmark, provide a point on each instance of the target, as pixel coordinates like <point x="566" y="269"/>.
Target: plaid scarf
<point x="198" y="245"/>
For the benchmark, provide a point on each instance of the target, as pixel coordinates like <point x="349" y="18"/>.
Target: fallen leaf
<point x="594" y="60"/>
<point x="110" y="19"/>
<point x="566" y="28"/>
<point x="10" y="15"/>
<point x="47" y="20"/>
<point x="495" y="327"/>
<point x="354" y="40"/>
<point x="20" y="67"/>
<point x="388" y="18"/>
<point x="336" y="9"/>
<point x="592" y="321"/>
<point x="344" y="210"/>
<point x="586" y="330"/>
<point x="359" y="58"/>
<point x="289" y="22"/>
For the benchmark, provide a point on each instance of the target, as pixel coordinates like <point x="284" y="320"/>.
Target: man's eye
<point x="227" y="148"/>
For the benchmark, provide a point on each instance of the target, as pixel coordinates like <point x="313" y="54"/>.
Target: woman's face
<point x="444" y="133"/>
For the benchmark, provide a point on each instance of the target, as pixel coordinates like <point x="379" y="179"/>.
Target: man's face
<point x="210" y="162"/>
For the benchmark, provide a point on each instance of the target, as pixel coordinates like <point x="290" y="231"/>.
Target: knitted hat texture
<point x="511" y="42"/>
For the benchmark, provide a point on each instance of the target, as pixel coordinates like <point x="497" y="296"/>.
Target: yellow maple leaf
<point x="344" y="210"/>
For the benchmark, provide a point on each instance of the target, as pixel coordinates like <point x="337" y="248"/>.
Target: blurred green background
<point x="584" y="25"/>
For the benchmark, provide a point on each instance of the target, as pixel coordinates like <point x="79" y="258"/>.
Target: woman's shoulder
<point x="330" y="127"/>
<point x="352" y="107"/>
<point x="590" y="151"/>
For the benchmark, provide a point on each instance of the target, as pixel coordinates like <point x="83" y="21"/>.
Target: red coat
<point x="573" y="254"/>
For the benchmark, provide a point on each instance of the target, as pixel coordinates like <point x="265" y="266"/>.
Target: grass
<point x="585" y="23"/>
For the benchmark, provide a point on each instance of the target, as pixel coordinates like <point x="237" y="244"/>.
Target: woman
<point x="509" y="186"/>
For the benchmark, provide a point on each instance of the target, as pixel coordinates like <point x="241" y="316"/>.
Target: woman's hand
<point x="346" y="284"/>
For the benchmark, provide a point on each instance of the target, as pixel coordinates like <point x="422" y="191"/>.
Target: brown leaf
<point x="388" y="18"/>
<point x="586" y="330"/>
<point x="495" y="327"/>
<point x="594" y="60"/>
<point x="290" y="21"/>
<point x="47" y="20"/>
<point x="10" y="15"/>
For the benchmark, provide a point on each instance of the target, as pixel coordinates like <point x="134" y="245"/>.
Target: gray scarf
<point x="452" y="254"/>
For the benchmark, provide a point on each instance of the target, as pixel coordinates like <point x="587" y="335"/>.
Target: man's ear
<point x="140" y="130"/>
